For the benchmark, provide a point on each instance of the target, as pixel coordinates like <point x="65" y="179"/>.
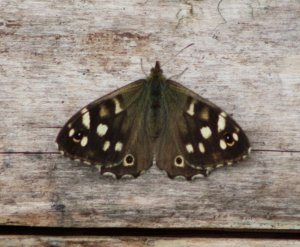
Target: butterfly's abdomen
<point x="155" y="111"/>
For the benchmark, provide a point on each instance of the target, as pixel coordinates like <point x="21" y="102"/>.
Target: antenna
<point x="170" y="59"/>
<point x="142" y="67"/>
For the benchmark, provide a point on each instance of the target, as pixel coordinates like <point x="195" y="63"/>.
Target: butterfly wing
<point x="108" y="133"/>
<point x="199" y="136"/>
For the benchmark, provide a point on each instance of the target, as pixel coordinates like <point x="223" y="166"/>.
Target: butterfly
<point x="153" y="120"/>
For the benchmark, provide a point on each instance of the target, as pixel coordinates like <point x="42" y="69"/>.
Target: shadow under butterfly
<point x="153" y="120"/>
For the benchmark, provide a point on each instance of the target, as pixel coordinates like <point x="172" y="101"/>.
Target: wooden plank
<point x="57" y="57"/>
<point x="48" y="190"/>
<point x="33" y="241"/>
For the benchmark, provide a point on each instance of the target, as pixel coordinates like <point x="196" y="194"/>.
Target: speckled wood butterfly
<point x="153" y="120"/>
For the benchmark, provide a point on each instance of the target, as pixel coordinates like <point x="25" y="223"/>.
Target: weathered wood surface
<point x="58" y="56"/>
<point x="12" y="241"/>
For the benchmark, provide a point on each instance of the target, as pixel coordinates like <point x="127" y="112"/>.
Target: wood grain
<point x="58" y="56"/>
<point x="140" y="242"/>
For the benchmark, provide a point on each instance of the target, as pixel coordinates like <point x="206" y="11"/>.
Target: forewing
<point x="109" y="133"/>
<point x="199" y="136"/>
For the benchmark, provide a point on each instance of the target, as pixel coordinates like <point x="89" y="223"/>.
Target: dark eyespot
<point x="78" y="135"/>
<point x="229" y="139"/>
<point x="129" y="159"/>
<point x="178" y="160"/>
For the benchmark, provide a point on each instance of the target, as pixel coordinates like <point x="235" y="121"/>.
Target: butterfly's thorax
<point x="155" y="111"/>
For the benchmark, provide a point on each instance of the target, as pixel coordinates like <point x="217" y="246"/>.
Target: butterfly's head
<point x="156" y="71"/>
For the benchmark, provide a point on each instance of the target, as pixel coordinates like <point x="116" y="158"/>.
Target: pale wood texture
<point x="57" y="56"/>
<point x="31" y="241"/>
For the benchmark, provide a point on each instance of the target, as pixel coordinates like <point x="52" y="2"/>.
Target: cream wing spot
<point x="189" y="148"/>
<point x="86" y="120"/>
<point x="98" y="167"/>
<point x="223" y="114"/>
<point x="229" y="163"/>
<point x="180" y="178"/>
<point x="204" y="114"/>
<point x="221" y="123"/>
<point x="223" y="144"/>
<point x="191" y="109"/>
<point x="106" y="146"/>
<point x="103" y="112"/>
<point x="205" y="132"/>
<point x="244" y="157"/>
<point x="71" y="132"/>
<point x="126" y="176"/>
<point x="102" y="129"/>
<point x="235" y="136"/>
<point x="201" y="147"/>
<point x="84" y="141"/>
<point x="118" y="107"/>
<point x="84" y="110"/>
<point x="76" y="140"/>
<point x="110" y="174"/>
<point x="119" y="146"/>
<point x="208" y="170"/>
<point x="197" y="176"/>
